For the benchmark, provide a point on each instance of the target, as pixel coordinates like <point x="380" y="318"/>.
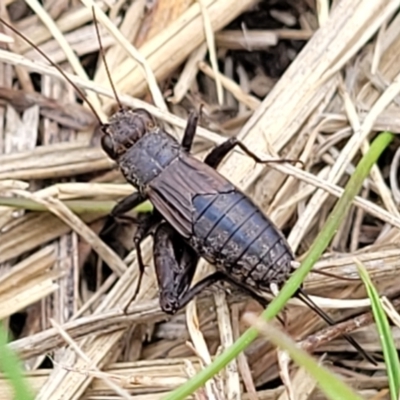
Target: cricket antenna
<point x="103" y="56"/>
<point x="44" y="55"/>
<point x="307" y="301"/>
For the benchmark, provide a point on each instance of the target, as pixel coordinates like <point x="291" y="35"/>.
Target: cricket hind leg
<point x="175" y="264"/>
<point x="209" y="280"/>
<point x="213" y="278"/>
<point x="306" y="300"/>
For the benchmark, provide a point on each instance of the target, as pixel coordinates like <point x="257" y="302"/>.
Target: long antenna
<point x="44" y="55"/>
<point x="103" y="56"/>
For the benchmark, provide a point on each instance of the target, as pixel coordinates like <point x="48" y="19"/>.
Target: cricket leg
<point x="200" y="286"/>
<point x="147" y="223"/>
<point x="190" y="131"/>
<point x="214" y="278"/>
<point x="175" y="264"/>
<point x="119" y="209"/>
<point x="215" y="157"/>
<point x="123" y="206"/>
<point x="129" y="202"/>
<point x="306" y="300"/>
<point x="210" y="280"/>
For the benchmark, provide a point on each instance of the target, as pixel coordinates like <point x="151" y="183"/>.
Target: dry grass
<point x="338" y="91"/>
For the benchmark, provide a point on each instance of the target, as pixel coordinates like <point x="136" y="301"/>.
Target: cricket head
<point x="124" y="129"/>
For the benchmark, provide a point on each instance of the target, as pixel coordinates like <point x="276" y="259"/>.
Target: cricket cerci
<point x="197" y="212"/>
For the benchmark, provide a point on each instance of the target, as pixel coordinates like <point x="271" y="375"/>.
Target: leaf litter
<point x="298" y="82"/>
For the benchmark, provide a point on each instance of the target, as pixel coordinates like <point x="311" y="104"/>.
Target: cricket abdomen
<point x="230" y="231"/>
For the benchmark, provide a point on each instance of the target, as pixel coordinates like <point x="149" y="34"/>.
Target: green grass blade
<point x="10" y="366"/>
<point x="333" y="387"/>
<point x="316" y="250"/>
<point x="385" y="334"/>
<point x="77" y="206"/>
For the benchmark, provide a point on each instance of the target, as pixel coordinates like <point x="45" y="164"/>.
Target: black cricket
<point x="199" y="205"/>
<point x="197" y="212"/>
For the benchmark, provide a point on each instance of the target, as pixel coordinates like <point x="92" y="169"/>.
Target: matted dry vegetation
<point x="300" y="80"/>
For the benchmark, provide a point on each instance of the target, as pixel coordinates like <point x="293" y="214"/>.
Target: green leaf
<point x="77" y="206"/>
<point x="385" y="334"/>
<point x="10" y="366"/>
<point x="333" y="387"/>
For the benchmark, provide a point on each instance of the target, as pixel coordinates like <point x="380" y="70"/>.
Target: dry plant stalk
<point x="305" y="82"/>
<point x="180" y="39"/>
<point x="53" y="161"/>
<point x="304" y="100"/>
<point x="28" y="282"/>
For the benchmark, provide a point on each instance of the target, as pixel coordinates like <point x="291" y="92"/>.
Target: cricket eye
<point x="108" y="146"/>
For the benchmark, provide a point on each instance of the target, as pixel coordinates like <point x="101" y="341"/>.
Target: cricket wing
<point x="172" y="192"/>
